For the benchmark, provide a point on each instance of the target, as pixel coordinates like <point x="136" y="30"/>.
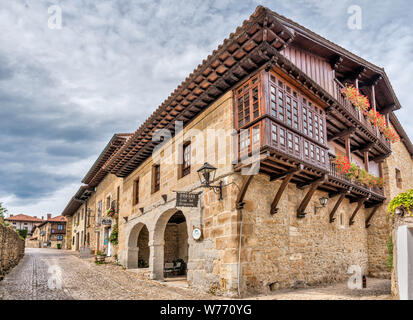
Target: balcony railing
<point x="341" y="98"/>
<point x="334" y="172"/>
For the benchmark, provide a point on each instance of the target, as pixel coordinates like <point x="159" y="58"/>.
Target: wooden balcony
<point x="357" y="189"/>
<point x="286" y="133"/>
<point x="345" y="116"/>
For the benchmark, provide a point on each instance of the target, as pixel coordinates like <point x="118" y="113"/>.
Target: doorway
<point x="176" y="247"/>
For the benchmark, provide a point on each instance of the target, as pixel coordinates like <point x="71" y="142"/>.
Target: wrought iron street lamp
<point x="399" y="211"/>
<point x="206" y="175"/>
<point x="323" y="202"/>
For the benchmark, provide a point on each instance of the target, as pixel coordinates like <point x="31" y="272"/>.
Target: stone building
<point x="50" y="234"/>
<point x="93" y="211"/>
<point x="235" y="176"/>
<point x="24" y="222"/>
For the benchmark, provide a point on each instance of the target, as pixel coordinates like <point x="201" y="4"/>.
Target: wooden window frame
<point x="399" y="179"/>
<point x="156" y="178"/>
<point x="108" y="201"/>
<point x="185" y="167"/>
<point x="252" y="88"/>
<point x="136" y="191"/>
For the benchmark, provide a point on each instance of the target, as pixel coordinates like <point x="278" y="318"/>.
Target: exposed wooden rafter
<point x="304" y="203"/>
<point x="373" y="212"/>
<point x="342" y="134"/>
<point x="338" y="203"/>
<point x="287" y="178"/>
<point x="240" y="199"/>
<point x="360" y="203"/>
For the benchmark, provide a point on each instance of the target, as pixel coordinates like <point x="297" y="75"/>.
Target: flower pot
<point x="100" y="258"/>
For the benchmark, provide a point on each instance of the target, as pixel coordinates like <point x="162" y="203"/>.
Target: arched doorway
<point x="138" y="252"/>
<point x="176" y="246"/>
<point x="143" y="247"/>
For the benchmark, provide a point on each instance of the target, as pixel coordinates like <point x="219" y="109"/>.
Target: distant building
<point x="50" y="233"/>
<point x="24" y="222"/>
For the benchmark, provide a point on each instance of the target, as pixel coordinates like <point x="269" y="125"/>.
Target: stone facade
<point x="11" y="249"/>
<point x="277" y="251"/>
<point x="381" y="224"/>
<point x="244" y="248"/>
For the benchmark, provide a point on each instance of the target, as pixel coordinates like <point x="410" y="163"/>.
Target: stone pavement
<point x="81" y="279"/>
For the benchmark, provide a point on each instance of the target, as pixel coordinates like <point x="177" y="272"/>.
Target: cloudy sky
<point x="64" y="92"/>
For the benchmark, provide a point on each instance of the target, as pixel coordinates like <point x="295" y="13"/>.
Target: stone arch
<point x="157" y="241"/>
<point x="132" y="252"/>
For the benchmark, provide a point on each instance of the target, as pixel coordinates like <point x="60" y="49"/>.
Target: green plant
<point x="114" y="235"/>
<point x="3" y="211"/>
<point x="389" y="260"/>
<point x="404" y="200"/>
<point x="100" y="253"/>
<point x="22" y="233"/>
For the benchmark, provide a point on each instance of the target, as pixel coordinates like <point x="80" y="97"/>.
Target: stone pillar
<point x="156" y="261"/>
<point x="132" y="258"/>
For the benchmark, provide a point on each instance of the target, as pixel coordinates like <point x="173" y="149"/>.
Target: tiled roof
<point x="58" y="219"/>
<point x="23" y="217"/>
<point x="55" y="219"/>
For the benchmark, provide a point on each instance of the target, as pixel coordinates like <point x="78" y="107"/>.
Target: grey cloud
<point x="63" y="93"/>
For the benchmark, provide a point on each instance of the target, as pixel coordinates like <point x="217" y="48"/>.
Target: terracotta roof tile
<point x="23" y="217"/>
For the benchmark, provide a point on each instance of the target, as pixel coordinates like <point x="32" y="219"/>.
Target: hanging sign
<point x="107" y="222"/>
<point x="186" y="199"/>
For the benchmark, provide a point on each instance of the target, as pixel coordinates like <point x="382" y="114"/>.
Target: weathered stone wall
<point x="143" y="244"/>
<point x="282" y="251"/>
<point x="380" y="229"/>
<point x="107" y="187"/>
<point x="171" y="242"/>
<point x="32" y="243"/>
<point x="209" y="267"/>
<point x="11" y="249"/>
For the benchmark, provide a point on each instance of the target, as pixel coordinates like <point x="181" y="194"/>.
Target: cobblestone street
<point x="83" y="280"/>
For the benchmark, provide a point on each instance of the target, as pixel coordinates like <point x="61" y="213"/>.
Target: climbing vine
<point x="390" y="249"/>
<point x="114" y="235"/>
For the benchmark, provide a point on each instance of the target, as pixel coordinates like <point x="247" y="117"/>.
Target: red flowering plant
<point x="355" y="173"/>
<point x="356" y="98"/>
<point x="343" y="164"/>
<point x="391" y="134"/>
<point x="362" y="102"/>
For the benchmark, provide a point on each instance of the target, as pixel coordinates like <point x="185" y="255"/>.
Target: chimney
<point x="35" y="217"/>
<point x="49" y="216"/>
<point x="11" y="215"/>
<point x="42" y="217"/>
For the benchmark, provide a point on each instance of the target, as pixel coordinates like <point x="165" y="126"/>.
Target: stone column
<point x="132" y="258"/>
<point x="156" y="261"/>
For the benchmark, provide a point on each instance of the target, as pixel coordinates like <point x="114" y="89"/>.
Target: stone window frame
<point x="398" y="177"/>
<point x="156" y="178"/>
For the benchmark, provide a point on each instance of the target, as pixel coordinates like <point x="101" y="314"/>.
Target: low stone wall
<point x="11" y="249"/>
<point x="32" y="243"/>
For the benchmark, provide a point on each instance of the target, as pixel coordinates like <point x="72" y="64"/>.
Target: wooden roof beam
<point x="342" y="134"/>
<point x="336" y="62"/>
